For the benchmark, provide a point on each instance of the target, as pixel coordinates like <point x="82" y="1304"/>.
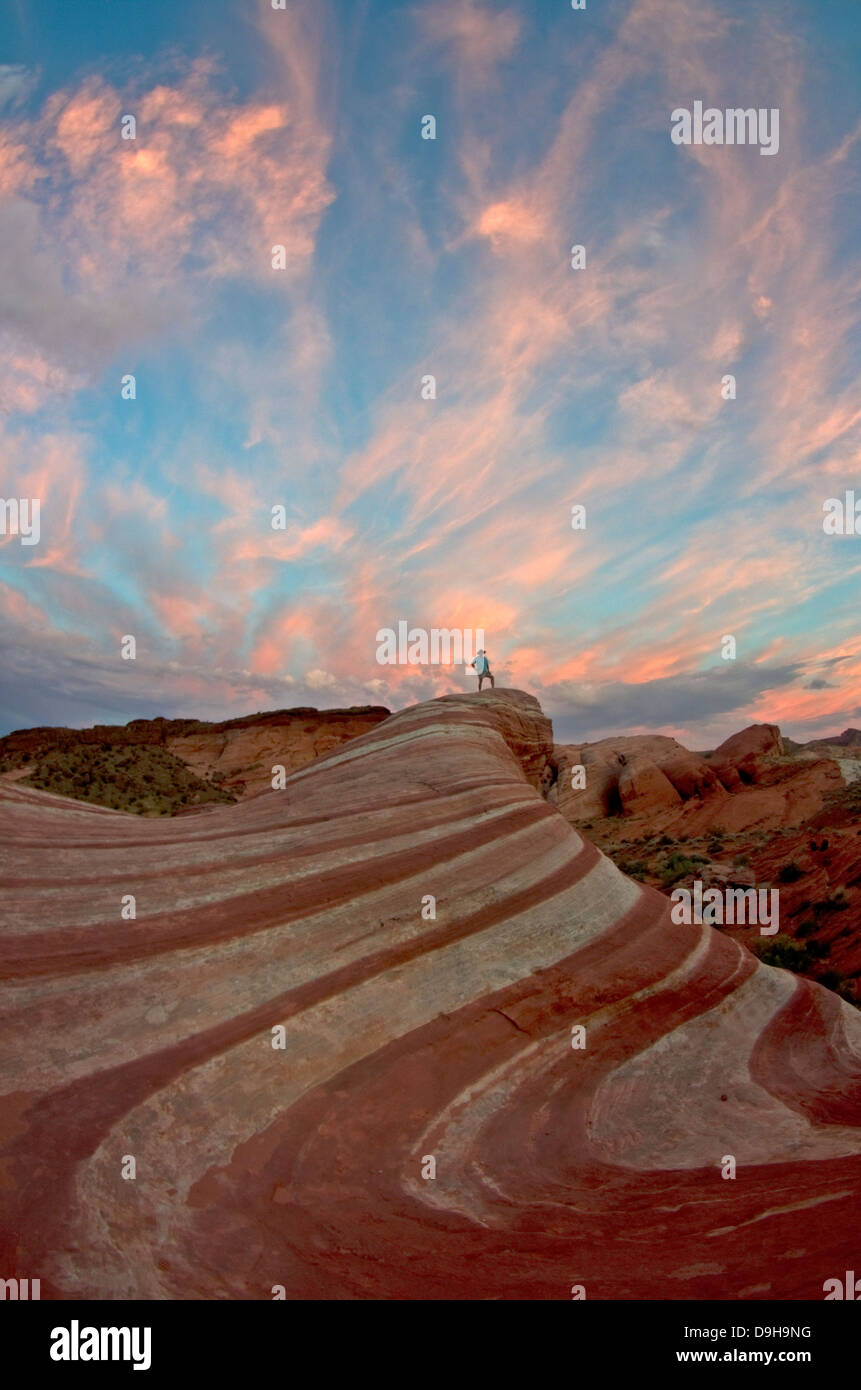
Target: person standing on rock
<point x="482" y="668"/>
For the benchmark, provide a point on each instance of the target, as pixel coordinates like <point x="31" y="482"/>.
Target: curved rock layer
<point x="411" y="1043"/>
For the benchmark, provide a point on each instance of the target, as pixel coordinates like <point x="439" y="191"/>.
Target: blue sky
<point x="406" y="257"/>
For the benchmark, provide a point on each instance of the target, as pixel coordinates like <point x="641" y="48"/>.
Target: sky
<point x="404" y="258"/>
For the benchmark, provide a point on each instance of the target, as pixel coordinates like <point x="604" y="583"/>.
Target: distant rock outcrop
<point x="231" y="760"/>
<point x="239" y="754"/>
<point x="745" y="782"/>
<point x="612" y="765"/>
<point x="850" y="738"/>
<point x="399" y="1031"/>
<point x="742" y="816"/>
<point x="743" y="758"/>
<point x="759" y="740"/>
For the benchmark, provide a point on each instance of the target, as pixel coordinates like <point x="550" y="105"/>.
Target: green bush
<point x="142" y="779"/>
<point x="634" y="868"/>
<point x="783" y="952"/>
<point x="678" y="866"/>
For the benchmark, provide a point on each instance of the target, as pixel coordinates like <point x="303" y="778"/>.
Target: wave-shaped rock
<point x="423" y="935"/>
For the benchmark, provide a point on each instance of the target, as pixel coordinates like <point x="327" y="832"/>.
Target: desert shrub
<point x="634" y="868"/>
<point x="783" y="952"/>
<point x="789" y="873"/>
<point x="148" y="781"/>
<point x="678" y="866"/>
<point x="836" y="903"/>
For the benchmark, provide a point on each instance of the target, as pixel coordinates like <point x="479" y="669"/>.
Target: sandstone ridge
<point x="407" y="1036"/>
<point x="226" y="761"/>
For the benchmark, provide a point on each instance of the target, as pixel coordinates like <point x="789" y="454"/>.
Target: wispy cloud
<point x="407" y="259"/>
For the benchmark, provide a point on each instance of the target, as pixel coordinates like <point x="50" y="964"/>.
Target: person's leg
<point x="480" y="679"/>
<point x="492" y="681"/>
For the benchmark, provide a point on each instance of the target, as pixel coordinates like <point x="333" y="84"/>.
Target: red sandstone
<point x="405" y="1037"/>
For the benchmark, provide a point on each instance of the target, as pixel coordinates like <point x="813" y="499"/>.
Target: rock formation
<point x="423" y="935"/>
<point x="235" y="756"/>
<point x="746" y="782"/>
<point x="850" y="738"/>
<point x="240" y="753"/>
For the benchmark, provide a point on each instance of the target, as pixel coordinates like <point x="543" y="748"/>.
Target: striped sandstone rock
<point x="406" y="1037"/>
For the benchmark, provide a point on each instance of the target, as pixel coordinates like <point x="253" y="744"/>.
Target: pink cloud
<point x="226" y="181"/>
<point x="512" y="220"/>
<point x="29" y="379"/>
<point x="52" y="470"/>
<point x="476" y="36"/>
